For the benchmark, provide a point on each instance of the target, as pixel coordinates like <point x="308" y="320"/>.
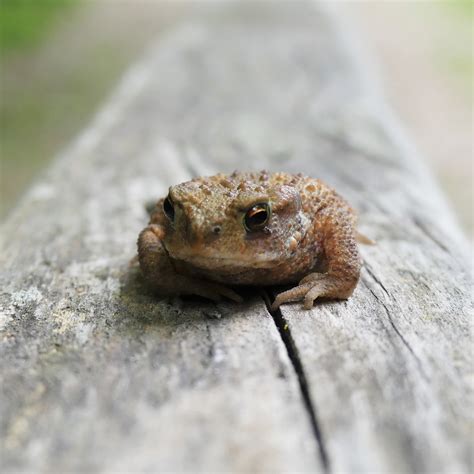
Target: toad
<point x="252" y="229"/>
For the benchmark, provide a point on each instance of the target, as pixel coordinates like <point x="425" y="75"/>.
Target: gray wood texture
<point x="98" y="375"/>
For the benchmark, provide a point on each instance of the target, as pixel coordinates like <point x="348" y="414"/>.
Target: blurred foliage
<point x="464" y="7"/>
<point x="24" y="23"/>
<point x="59" y="60"/>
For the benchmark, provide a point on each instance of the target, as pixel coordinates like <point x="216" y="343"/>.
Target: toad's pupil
<point x="168" y="209"/>
<point x="256" y="217"/>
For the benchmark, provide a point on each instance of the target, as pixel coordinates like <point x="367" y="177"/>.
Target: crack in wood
<point x="293" y="354"/>
<point x="211" y="349"/>
<point x="377" y="280"/>
<point x="395" y="328"/>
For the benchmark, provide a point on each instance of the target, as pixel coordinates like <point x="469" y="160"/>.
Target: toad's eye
<point x="168" y="208"/>
<point x="257" y="217"/>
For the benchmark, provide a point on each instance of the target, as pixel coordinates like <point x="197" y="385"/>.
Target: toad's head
<point x="231" y="223"/>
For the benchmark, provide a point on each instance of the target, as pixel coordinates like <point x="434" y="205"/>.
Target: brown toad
<point x="251" y="229"/>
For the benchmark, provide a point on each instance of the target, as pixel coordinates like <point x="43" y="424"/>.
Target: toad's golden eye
<point x="257" y="217"/>
<point x="168" y="208"/>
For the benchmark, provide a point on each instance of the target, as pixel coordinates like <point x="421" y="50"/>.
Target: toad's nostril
<point x="216" y="229"/>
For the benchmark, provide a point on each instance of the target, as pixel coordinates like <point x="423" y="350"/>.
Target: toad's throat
<point x="231" y="271"/>
<point x="212" y="262"/>
<point x="207" y="259"/>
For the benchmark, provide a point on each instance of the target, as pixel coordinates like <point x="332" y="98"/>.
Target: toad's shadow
<point x="140" y="307"/>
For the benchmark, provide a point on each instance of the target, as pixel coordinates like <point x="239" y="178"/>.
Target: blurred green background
<point x="25" y="22"/>
<point x="59" y="59"/>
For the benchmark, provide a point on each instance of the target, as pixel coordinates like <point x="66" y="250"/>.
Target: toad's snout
<point x="197" y="234"/>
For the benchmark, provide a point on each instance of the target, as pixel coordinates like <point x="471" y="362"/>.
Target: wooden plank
<point x="98" y="375"/>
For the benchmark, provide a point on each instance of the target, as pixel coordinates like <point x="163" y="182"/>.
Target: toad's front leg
<point x="342" y="261"/>
<point x="159" y="273"/>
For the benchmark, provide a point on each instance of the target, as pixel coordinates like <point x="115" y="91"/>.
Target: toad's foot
<point x="313" y="286"/>
<point x="183" y="285"/>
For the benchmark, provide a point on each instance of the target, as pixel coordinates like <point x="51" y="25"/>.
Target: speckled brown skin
<point x="309" y="239"/>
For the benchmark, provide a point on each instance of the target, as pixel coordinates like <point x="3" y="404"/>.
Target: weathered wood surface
<point x="100" y="376"/>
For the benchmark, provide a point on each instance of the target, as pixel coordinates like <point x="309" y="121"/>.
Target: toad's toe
<point x="294" y="294"/>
